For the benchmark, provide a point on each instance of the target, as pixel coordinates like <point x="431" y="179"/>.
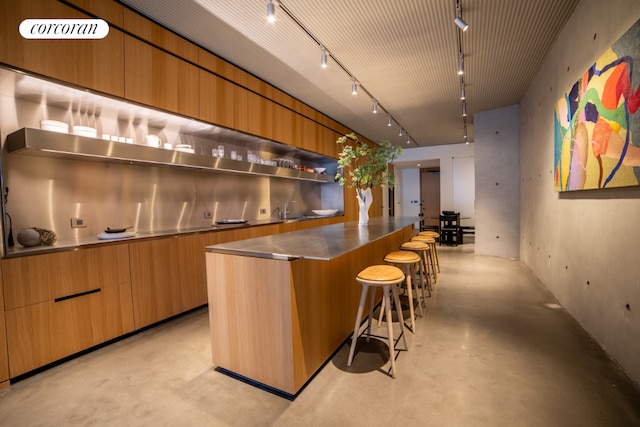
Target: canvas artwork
<point x="597" y="128"/>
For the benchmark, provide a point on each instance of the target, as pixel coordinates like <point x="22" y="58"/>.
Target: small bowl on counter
<point x="324" y="212"/>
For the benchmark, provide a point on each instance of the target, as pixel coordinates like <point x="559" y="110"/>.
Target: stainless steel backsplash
<point x="47" y="192"/>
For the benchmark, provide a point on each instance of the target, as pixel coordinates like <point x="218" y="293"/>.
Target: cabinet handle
<point x="93" y="291"/>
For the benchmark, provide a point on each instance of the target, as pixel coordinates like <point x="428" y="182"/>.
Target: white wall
<point x="408" y="176"/>
<point x="584" y="246"/>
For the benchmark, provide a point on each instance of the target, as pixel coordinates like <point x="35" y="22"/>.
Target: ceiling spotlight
<point x="461" y="64"/>
<point x="465" y="135"/>
<point x="271" y="12"/>
<point x="354" y="87"/>
<point x="375" y="106"/>
<point x="464" y="109"/>
<point x="462" y="97"/>
<point x="408" y="139"/>
<point x="460" y="23"/>
<point x="324" y="58"/>
<point x="388" y="119"/>
<point x="400" y="132"/>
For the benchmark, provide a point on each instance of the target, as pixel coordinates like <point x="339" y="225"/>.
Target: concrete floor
<point x="491" y="350"/>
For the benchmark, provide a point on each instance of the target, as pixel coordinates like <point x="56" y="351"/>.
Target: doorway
<point x="430" y="197"/>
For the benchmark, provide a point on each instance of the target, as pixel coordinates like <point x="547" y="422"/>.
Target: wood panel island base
<point x="281" y="305"/>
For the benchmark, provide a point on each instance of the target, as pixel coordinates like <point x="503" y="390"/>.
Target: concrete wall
<point x="497" y="182"/>
<point x="584" y="246"/>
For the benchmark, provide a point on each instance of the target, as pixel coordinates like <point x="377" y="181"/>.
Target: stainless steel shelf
<point x="36" y="142"/>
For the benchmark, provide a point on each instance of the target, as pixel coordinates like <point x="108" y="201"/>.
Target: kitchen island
<point x="281" y="305"/>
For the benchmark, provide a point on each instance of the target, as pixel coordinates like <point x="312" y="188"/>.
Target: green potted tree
<point x="364" y="167"/>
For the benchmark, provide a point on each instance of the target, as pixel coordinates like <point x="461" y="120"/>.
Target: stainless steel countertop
<point x="319" y="243"/>
<point x="93" y="241"/>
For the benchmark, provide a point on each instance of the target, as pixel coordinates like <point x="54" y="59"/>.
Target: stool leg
<point x="410" y="296"/>
<point x="382" y="306"/>
<point x="392" y="351"/>
<point x="415" y="287"/>
<point x="363" y="297"/>
<point x="396" y="298"/>
<point x="372" y="299"/>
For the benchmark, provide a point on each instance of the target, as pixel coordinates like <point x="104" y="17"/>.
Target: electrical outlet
<point x="208" y="215"/>
<point x="263" y="211"/>
<point x="77" y="223"/>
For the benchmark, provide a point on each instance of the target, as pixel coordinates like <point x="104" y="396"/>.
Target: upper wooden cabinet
<point x="156" y="78"/>
<point x="159" y="36"/>
<point x="108" y="10"/>
<point x="94" y="64"/>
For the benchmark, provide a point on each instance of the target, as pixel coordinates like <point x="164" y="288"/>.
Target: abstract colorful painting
<point x="597" y="130"/>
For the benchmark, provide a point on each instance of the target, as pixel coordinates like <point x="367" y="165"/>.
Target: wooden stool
<point x="435" y="235"/>
<point x="387" y="277"/>
<point x="430" y="255"/>
<point x="421" y="249"/>
<point x="407" y="261"/>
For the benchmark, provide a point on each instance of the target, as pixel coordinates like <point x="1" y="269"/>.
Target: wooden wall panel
<point x="158" y="79"/>
<point x="159" y="36"/>
<point x="94" y="64"/>
<point x="108" y="10"/>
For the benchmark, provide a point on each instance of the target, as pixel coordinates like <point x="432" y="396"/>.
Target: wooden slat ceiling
<point x="403" y="52"/>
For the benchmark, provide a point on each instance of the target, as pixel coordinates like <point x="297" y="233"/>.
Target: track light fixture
<point x="458" y="20"/>
<point x="408" y="139"/>
<point x="400" y="132"/>
<point x="323" y="59"/>
<point x="388" y="119"/>
<point x="271" y="11"/>
<point x="375" y="106"/>
<point x="460" y="23"/>
<point x="462" y="96"/>
<point x="464" y="109"/>
<point x="354" y="87"/>
<point x="460" y="63"/>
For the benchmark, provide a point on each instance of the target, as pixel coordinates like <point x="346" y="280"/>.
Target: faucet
<point x="285" y="211"/>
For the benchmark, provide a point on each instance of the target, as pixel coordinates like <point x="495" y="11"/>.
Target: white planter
<point x="365" y="198"/>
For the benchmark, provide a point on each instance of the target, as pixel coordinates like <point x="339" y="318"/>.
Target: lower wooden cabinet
<point x="167" y="277"/>
<point x="4" y="358"/>
<point x="61" y="303"/>
<point x="41" y="333"/>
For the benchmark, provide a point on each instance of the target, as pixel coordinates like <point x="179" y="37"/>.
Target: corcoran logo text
<point x="64" y="29"/>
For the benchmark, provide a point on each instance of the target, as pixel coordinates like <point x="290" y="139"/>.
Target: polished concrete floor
<point x="493" y="349"/>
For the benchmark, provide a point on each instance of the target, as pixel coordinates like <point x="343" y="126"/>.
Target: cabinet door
<point x="4" y="360"/>
<point x="216" y="100"/>
<point x="159" y="79"/>
<point x="42" y="333"/>
<point x="93" y="64"/>
<point x="167" y="277"/>
<point x="39" y="278"/>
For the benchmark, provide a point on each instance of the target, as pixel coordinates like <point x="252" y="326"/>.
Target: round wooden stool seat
<point x="381" y="275"/>
<point x="402" y="257"/>
<point x="433" y="234"/>
<point x="422" y="238"/>
<point x="414" y="245"/>
<point x="387" y="277"/>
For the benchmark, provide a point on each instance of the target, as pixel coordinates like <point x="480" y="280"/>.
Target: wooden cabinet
<point x="4" y="358"/>
<point x="61" y="303"/>
<point x="156" y="78"/>
<point x="94" y="64"/>
<point x="167" y="277"/>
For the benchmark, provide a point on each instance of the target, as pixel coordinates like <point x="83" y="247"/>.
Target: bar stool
<point x="435" y="235"/>
<point x="407" y="261"/>
<point x="421" y="249"/>
<point x="387" y="277"/>
<point x="430" y="256"/>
